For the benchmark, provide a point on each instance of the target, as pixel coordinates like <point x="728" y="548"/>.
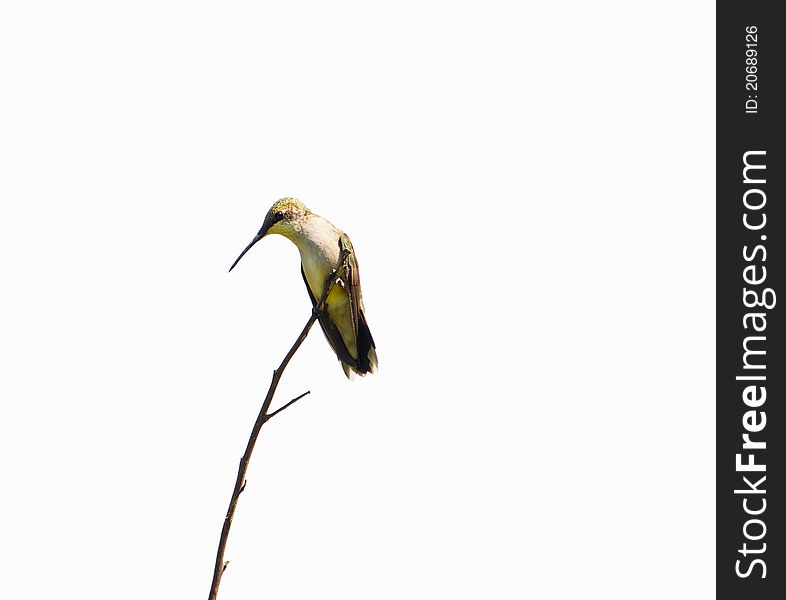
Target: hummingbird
<point x="343" y="319"/>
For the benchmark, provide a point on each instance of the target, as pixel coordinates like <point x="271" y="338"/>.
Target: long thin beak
<point x="258" y="237"/>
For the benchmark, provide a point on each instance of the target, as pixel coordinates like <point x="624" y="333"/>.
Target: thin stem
<point x="240" y="482"/>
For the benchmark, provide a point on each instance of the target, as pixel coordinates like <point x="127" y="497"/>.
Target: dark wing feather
<point x="352" y="277"/>
<point x="363" y="338"/>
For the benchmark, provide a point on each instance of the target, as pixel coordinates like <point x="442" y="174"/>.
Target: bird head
<point x="282" y="219"/>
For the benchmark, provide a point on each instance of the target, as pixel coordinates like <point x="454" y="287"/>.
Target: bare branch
<point x="240" y="482"/>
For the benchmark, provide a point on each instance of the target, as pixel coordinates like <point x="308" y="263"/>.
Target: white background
<point x="530" y="191"/>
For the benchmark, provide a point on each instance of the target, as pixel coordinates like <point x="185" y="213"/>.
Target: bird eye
<point x="277" y="217"/>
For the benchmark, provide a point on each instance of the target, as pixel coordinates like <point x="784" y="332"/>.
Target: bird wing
<point x="352" y="278"/>
<point x="367" y="356"/>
